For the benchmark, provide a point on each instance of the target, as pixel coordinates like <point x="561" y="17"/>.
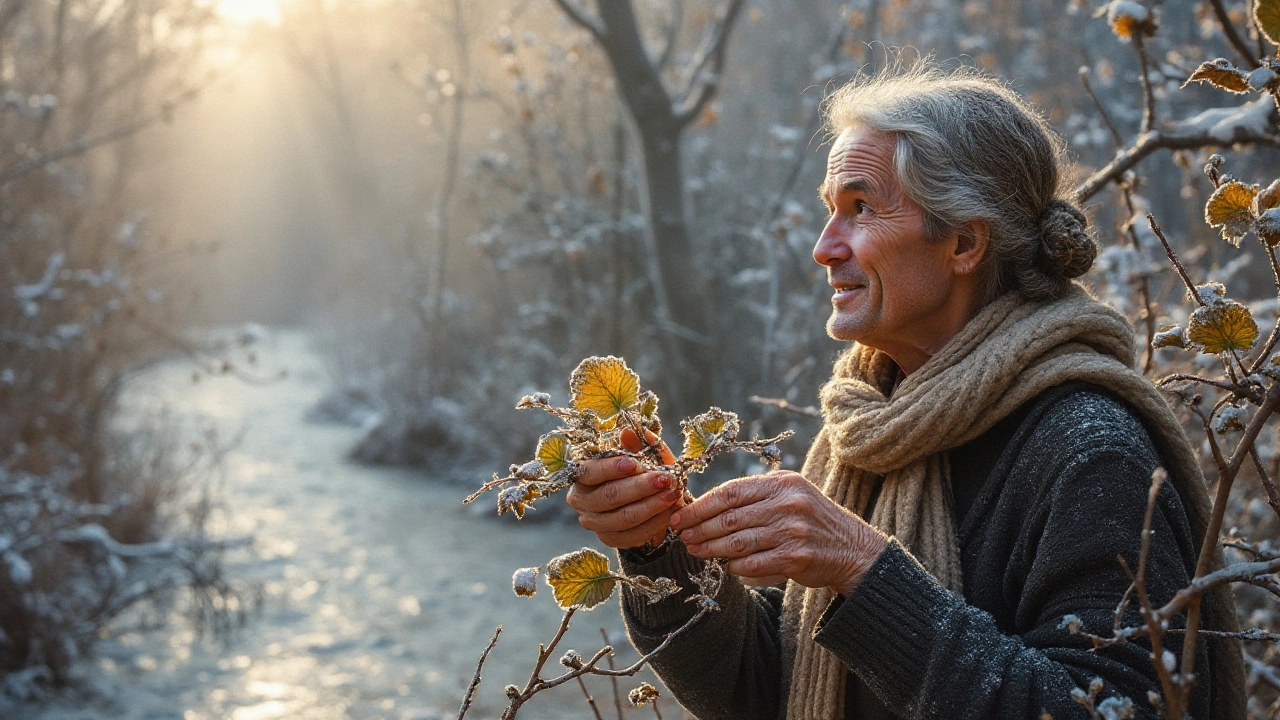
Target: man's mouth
<point x="844" y="290"/>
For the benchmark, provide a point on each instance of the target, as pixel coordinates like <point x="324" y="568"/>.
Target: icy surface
<point x="380" y="588"/>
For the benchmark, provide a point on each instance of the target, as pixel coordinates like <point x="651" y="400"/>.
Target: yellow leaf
<point x="553" y="451"/>
<point x="1221" y="74"/>
<point x="1267" y="15"/>
<point x="1231" y="207"/>
<point x="701" y="432"/>
<point x="1222" y="327"/>
<point x="648" y="404"/>
<point x="580" y="578"/>
<point x="604" y="385"/>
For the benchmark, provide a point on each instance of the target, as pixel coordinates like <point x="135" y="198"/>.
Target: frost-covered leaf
<point x="1266" y="13"/>
<point x="1267" y="199"/>
<point x="553" y="452"/>
<point x="515" y="499"/>
<point x="702" y="431"/>
<point x="1268" y="227"/>
<point x="1262" y="78"/>
<point x="1230" y="206"/>
<point x="1229" y="419"/>
<point x="572" y="659"/>
<point x="531" y="470"/>
<point x="653" y="589"/>
<point x="643" y="695"/>
<point x="648" y="404"/>
<point x="524" y="581"/>
<point x="539" y="399"/>
<point x="1169" y="336"/>
<point x="1221" y="73"/>
<point x="1228" y="326"/>
<point x="580" y="578"/>
<point x="1127" y="17"/>
<point x="604" y="385"/>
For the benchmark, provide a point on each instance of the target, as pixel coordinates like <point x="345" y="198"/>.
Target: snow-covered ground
<point x="380" y="589"/>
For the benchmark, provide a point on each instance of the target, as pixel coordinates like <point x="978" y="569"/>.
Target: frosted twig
<point x="806" y="410"/>
<point x="475" y="679"/>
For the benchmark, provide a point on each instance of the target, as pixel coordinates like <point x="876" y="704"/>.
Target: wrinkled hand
<point x="780" y="526"/>
<point x="624" y="507"/>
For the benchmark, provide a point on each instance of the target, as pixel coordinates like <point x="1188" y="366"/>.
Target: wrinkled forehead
<point x="863" y="157"/>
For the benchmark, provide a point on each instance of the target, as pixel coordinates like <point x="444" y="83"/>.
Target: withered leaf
<point x="553" y="452"/>
<point x="1221" y="73"/>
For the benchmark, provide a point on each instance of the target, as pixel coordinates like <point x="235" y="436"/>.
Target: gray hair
<point x="969" y="148"/>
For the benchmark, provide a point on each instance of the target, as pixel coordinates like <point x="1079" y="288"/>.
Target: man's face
<point x="889" y="281"/>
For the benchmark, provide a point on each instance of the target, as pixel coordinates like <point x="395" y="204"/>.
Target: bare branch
<point x="710" y="61"/>
<point x="1233" y="38"/>
<point x="617" y="693"/>
<point x="581" y="19"/>
<point x="805" y="410"/>
<point x="1234" y="126"/>
<point x="1173" y="257"/>
<point x="1102" y="110"/>
<point x="1148" y="94"/>
<point x="1275" y="330"/>
<point x="475" y="679"/>
<point x="664" y="59"/>
<point x="1272" y="499"/>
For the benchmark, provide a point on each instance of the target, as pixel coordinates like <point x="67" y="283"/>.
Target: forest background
<point x="458" y="201"/>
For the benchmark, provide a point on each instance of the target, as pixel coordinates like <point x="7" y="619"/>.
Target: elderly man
<point x="986" y="453"/>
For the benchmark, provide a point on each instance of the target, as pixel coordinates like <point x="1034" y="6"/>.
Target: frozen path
<point x="380" y="589"/>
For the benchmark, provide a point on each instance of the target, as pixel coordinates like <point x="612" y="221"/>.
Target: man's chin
<point x="844" y="328"/>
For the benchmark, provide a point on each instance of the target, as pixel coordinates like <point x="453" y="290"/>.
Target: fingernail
<point x="675" y="519"/>
<point x="694" y="548"/>
<point x="670" y="495"/>
<point x="626" y="464"/>
<point x="662" y="481"/>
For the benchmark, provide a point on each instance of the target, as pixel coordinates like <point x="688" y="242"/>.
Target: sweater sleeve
<point x="728" y="664"/>
<point x="927" y="653"/>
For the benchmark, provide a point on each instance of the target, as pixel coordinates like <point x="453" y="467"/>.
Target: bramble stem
<point x="475" y="679"/>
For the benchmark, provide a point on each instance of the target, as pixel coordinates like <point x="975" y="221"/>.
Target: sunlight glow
<point x="248" y="12"/>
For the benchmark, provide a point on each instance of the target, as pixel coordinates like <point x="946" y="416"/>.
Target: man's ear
<point x="972" y="240"/>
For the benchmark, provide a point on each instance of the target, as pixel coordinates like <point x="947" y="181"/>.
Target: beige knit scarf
<point x="876" y="435"/>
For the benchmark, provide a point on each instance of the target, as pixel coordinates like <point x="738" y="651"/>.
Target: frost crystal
<point x="1229" y="419"/>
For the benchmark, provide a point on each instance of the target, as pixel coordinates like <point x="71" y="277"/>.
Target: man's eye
<point x="860" y="207"/>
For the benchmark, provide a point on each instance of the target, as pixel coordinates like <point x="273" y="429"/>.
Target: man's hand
<point x="624" y="507"/>
<point x="780" y="525"/>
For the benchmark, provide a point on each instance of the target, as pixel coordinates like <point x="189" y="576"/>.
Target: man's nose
<point x="832" y="248"/>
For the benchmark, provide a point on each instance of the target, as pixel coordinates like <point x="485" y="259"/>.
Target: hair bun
<point x="1066" y="248"/>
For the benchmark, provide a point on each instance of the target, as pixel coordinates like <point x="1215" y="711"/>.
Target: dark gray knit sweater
<point x="1044" y="501"/>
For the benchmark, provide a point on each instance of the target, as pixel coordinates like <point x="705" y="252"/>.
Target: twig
<point x="807" y="411"/>
<point x="590" y="700"/>
<point x="617" y="692"/>
<point x="701" y="88"/>
<point x="1235" y="389"/>
<point x="1148" y="95"/>
<point x="1173" y="257"/>
<point x="1102" y="110"/>
<point x="1233" y="37"/>
<point x="475" y="679"/>
<point x="1272" y="499"/>
<point x="581" y="19"/>
<point x="1275" y="330"/>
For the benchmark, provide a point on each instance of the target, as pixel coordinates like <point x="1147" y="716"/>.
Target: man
<point x="986" y="452"/>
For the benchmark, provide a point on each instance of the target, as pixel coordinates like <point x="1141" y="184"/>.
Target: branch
<point x="1173" y="257"/>
<point x="1275" y="330"/>
<point x="664" y="59"/>
<point x="692" y="102"/>
<point x="781" y="404"/>
<point x="582" y="20"/>
<point x="1245" y="124"/>
<point x="475" y="679"/>
<point x="1148" y="94"/>
<point x="1233" y="37"/>
<point x="1272" y="499"/>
